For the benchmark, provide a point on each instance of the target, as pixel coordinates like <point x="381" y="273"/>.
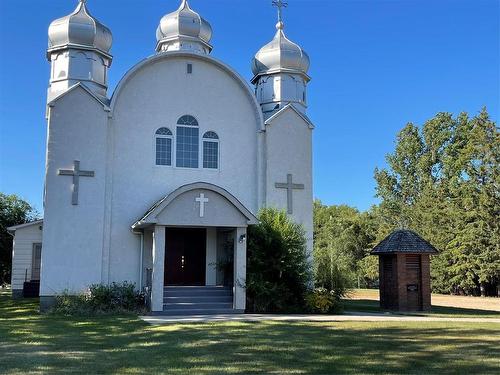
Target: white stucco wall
<point x="157" y="95"/>
<point x="289" y="151"/>
<point x="93" y="242"/>
<point x="22" y="253"/>
<point x="73" y="234"/>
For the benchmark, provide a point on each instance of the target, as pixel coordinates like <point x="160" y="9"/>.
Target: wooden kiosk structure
<point x="404" y="271"/>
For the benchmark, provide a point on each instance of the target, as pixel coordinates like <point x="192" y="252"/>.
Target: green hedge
<point x="116" y="298"/>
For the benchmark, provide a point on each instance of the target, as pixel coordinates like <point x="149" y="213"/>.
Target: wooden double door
<point x="185" y="256"/>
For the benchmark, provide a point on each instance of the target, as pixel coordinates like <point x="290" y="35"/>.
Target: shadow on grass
<point x="31" y="342"/>
<point x="367" y="305"/>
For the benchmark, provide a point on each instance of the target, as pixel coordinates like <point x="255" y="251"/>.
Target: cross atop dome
<point x="280" y="4"/>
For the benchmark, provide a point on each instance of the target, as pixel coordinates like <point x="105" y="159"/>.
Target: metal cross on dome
<point x="280" y="4"/>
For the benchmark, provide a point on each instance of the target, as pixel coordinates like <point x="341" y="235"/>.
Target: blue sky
<point x="376" y="65"/>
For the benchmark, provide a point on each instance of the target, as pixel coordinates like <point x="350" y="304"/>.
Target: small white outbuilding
<point x="26" y="258"/>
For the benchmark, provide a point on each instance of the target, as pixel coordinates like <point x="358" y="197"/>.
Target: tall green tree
<point x="13" y="211"/>
<point x="475" y="251"/>
<point x="443" y="181"/>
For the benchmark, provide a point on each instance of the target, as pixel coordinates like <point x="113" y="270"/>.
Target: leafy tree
<point x="475" y="251"/>
<point x="343" y="237"/>
<point x="443" y="181"/>
<point x="278" y="269"/>
<point x="13" y="211"/>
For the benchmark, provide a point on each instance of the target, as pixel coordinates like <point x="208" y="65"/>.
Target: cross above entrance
<point x="202" y="200"/>
<point x="289" y="186"/>
<point x="76" y="173"/>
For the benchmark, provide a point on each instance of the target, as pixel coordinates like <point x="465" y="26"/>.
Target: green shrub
<point x="71" y="304"/>
<point x="321" y="300"/>
<point x="278" y="270"/>
<point x="115" y="298"/>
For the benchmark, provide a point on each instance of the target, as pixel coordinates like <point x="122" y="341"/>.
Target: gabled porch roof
<point x="152" y="215"/>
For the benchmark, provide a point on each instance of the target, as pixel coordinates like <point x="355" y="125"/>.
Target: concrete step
<point x="198" y="299"/>
<point x="171" y="292"/>
<point x="198" y="306"/>
<point x="196" y="288"/>
<point x="196" y="312"/>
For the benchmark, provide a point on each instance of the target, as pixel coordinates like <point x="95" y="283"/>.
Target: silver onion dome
<point x="81" y="30"/>
<point x="183" y="24"/>
<point x="281" y="54"/>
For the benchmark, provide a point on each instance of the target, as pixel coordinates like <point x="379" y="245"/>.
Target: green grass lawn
<point x="30" y="342"/>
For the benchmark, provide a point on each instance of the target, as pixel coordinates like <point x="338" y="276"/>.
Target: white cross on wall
<point x="76" y="173"/>
<point x="202" y="200"/>
<point x="290" y="187"/>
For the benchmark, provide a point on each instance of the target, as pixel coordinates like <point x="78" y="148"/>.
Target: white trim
<point x="284" y="109"/>
<point x="53" y="101"/>
<point x="151" y="215"/>
<point x="16" y="227"/>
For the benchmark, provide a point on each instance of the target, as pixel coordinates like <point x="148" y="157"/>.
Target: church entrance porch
<point x="194" y="244"/>
<point x="198" y="271"/>
<point x="202" y="270"/>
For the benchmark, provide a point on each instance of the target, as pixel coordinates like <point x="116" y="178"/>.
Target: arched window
<point x="163" y="138"/>
<point x="187" y="142"/>
<point x="210" y="150"/>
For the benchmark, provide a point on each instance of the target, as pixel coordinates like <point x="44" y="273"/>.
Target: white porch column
<point x="211" y="263"/>
<point x="240" y="269"/>
<point x="158" y="268"/>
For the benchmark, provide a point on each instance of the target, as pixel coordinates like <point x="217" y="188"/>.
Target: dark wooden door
<point x="185" y="256"/>
<point x="413" y="282"/>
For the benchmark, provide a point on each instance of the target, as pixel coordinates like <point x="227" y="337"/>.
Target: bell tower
<point x="78" y="51"/>
<point x="280" y="71"/>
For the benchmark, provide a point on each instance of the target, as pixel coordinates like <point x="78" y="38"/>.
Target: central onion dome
<point x="79" y="29"/>
<point x="184" y="29"/>
<point x="280" y="55"/>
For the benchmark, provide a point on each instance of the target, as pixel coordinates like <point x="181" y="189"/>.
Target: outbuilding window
<point x="163" y="139"/>
<point x="187" y="142"/>
<point x="211" y="150"/>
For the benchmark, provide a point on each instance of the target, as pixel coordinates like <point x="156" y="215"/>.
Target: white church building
<point x="157" y="182"/>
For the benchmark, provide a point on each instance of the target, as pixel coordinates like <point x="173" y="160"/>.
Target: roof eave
<point x="255" y="78"/>
<point x="290" y="106"/>
<point x="62" y="47"/>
